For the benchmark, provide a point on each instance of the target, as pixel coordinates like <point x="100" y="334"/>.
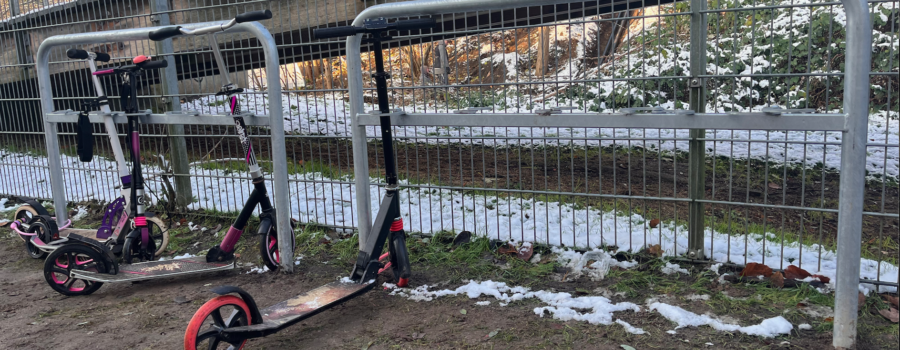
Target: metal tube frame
<point x="853" y="171"/>
<point x="280" y="180"/>
<point x="853" y="154"/>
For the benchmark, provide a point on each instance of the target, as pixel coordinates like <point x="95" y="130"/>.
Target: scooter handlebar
<point x="153" y="64"/>
<point x="165" y="33"/>
<point x="336" y="32"/>
<point x="412" y="24"/>
<point x="104" y="72"/>
<point x="102" y="57"/>
<point x="77" y="54"/>
<point x="253" y="16"/>
<point x="82" y="54"/>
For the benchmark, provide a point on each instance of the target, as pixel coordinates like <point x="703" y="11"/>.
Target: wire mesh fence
<point x="768" y="196"/>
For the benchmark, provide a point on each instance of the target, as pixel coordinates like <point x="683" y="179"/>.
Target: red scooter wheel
<point x="203" y="330"/>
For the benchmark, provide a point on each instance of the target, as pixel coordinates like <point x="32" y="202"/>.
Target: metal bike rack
<point x="853" y="123"/>
<point x="52" y="117"/>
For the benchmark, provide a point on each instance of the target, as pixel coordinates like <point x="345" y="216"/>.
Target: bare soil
<point x="154" y="314"/>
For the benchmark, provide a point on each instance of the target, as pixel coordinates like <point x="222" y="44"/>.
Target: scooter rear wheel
<point x="61" y="262"/>
<point x="25" y="212"/>
<point x="203" y="331"/>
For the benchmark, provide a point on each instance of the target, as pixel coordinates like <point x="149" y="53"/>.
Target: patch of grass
<point x="473" y="260"/>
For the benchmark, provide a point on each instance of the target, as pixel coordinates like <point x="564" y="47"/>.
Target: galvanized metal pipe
<point x="280" y="183"/>
<point x="853" y="171"/>
<point x="355" y="83"/>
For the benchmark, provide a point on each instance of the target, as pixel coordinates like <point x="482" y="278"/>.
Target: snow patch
<point x="629" y="328"/>
<point x="561" y="306"/>
<point x="671" y="268"/>
<point x="768" y="328"/>
<point x="80" y="213"/>
<point x="258" y="269"/>
<point x="595" y="263"/>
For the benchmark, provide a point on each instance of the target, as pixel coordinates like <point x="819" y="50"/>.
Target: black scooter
<point x="208" y="329"/>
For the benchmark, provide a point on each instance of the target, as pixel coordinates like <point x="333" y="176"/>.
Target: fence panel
<point x="770" y="196"/>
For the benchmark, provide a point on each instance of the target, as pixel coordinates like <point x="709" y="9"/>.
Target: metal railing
<point x="715" y="189"/>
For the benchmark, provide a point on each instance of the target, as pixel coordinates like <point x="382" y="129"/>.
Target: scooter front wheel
<point x="204" y="329"/>
<point x="59" y="265"/>
<point x="33" y="250"/>
<point x="132" y="252"/>
<point x="400" y="259"/>
<point x="159" y="233"/>
<point x="268" y="249"/>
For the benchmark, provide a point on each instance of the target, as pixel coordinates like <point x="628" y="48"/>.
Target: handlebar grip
<point x="153" y="64"/>
<point x="76" y="53"/>
<point x="165" y="33"/>
<point x="102" y="57"/>
<point x="336" y="32"/>
<point x="253" y="16"/>
<point x="419" y="23"/>
<point x="104" y="72"/>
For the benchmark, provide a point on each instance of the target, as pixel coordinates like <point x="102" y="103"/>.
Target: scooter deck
<point x="303" y="306"/>
<point x="155" y="269"/>
<point x="91" y="234"/>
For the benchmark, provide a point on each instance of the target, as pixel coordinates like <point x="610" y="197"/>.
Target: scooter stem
<point x="108" y="123"/>
<point x="390" y="164"/>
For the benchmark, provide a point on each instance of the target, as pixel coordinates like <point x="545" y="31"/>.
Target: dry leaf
<point x="507" y="249"/>
<point x="891" y="314"/>
<point x="462" y="238"/>
<point x="3" y="224"/>
<point x="525" y="252"/>
<point x="754" y="269"/>
<point x="793" y="272"/>
<point x="774" y="186"/>
<point x="829" y="319"/>
<point x="892" y="299"/>
<point x="778" y="279"/>
<point x="654" y="223"/>
<point x="655" y="250"/>
<point x="822" y="279"/>
<point x="862" y="300"/>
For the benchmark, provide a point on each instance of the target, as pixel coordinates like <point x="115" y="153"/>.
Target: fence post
<point x="697" y="148"/>
<point x="853" y="171"/>
<point x="169" y="87"/>
<point x="441" y="64"/>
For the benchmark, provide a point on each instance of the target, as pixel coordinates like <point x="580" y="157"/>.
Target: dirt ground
<point x="154" y="314"/>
